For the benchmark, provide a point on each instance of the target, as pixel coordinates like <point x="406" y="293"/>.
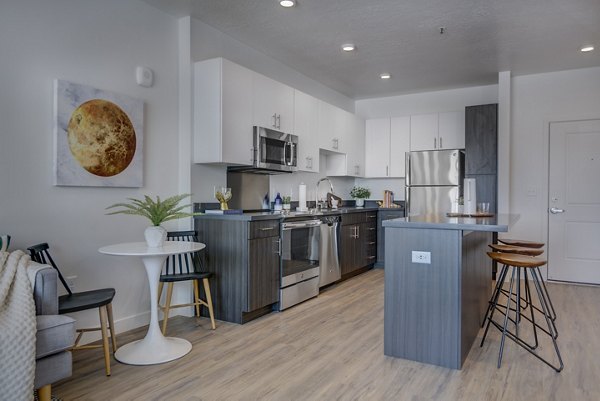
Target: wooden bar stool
<point x="523" y="303"/>
<point x="523" y="247"/>
<point x="521" y="243"/>
<point x="514" y="264"/>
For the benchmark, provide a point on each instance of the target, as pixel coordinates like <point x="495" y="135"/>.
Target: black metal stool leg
<point x="548" y="322"/>
<point x="493" y="304"/>
<point x="496" y="293"/>
<point x="528" y="295"/>
<point x="512" y="280"/>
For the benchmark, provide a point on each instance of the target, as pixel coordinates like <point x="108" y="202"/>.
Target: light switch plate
<point x="421" y="257"/>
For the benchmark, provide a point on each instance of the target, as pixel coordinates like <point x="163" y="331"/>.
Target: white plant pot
<point x="155" y="236"/>
<point x="360" y="202"/>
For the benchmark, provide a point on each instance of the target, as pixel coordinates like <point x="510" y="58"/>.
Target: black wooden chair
<point x="79" y="301"/>
<point x="185" y="267"/>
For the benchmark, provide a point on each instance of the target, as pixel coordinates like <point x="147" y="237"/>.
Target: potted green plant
<point x="157" y="211"/>
<point x="360" y="194"/>
<point x="287" y="202"/>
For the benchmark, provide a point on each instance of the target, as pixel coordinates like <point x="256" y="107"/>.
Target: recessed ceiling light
<point x="385" y="75"/>
<point x="587" y="48"/>
<point x="348" y="47"/>
<point x="287" y="3"/>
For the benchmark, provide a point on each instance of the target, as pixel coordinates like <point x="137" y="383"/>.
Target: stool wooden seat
<point x="529" y="266"/>
<point x="519" y="250"/>
<point x="521" y="243"/>
<point x="517" y="260"/>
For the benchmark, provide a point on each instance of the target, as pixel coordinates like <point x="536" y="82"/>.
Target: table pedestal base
<point x="160" y="350"/>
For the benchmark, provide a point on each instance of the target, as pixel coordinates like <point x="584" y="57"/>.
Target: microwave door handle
<point x="285" y="154"/>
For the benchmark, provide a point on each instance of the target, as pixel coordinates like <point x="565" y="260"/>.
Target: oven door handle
<point x="291" y="225"/>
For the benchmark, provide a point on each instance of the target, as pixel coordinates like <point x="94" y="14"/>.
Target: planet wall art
<point x="98" y="137"/>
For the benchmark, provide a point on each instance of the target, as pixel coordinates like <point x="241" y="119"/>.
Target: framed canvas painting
<point x="98" y="137"/>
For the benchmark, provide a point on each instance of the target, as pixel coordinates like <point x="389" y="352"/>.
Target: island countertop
<point x="498" y="223"/>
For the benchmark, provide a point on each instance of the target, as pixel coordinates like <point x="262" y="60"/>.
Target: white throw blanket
<point x="17" y="328"/>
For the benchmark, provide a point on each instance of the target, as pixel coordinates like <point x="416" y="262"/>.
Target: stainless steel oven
<point x="299" y="261"/>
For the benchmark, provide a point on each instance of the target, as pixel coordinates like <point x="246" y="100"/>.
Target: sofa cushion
<point x="55" y="333"/>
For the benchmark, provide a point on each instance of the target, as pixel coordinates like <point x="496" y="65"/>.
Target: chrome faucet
<point x="320" y="204"/>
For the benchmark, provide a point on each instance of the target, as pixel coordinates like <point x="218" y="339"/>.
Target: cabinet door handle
<point x="266" y="228"/>
<point x="435" y="143"/>
<point x="335" y="143"/>
<point x="274" y="120"/>
<point x="278" y="120"/>
<point x="371" y="216"/>
<point x="357" y="170"/>
<point x="441" y="146"/>
<point x="371" y="229"/>
<point x="371" y="257"/>
<point x="387" y="171"/>
<point x="357" y="232"/>
<point x="252" y="155"/>
<point x="278" y="241"/>
<point x="372" y="243"/>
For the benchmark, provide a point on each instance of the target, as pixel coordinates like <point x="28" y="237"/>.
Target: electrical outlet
<point x="71" y="282"/>
<point x="421" y="257"/>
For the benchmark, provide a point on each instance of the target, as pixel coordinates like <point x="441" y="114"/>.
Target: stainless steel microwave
<point x="274" y="150"/>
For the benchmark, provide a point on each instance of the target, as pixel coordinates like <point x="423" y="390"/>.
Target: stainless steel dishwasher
<point x="329" y="259"/>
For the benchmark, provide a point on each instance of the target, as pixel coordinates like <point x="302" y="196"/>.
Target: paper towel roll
<point x="470" y="198"/>
<point x="302" y="197"/>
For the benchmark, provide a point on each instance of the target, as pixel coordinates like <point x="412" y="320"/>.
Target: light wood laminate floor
<point x="331" y="348"/>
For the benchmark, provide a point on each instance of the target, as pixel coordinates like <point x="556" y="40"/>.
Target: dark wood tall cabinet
<point x="481" y="151"/>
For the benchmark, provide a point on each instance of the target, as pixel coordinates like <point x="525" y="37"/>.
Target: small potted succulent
<point x="287" y="202"/>
<point x="360" y="194"/>
<point x="157" y="211"/>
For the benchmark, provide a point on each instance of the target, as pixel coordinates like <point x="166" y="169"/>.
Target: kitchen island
<point x="438" y="280"/>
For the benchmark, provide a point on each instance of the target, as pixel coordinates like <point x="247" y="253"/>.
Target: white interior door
<point x="574" y="202"/>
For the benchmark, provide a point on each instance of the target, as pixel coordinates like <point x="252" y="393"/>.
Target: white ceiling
<point x="402" y="37"/>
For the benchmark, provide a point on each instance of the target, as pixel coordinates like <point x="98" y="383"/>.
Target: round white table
<point x="154" y="348"/>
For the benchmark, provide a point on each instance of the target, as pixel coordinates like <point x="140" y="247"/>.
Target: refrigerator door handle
<point x="407" y="168"/>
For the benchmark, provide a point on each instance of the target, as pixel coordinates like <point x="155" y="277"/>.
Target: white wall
<point x="536" y="101"/>
<point x="97" y="43"/>
<point x="427" y="102"/>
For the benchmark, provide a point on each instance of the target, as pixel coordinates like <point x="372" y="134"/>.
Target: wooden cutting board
<point x="470" y="214"/>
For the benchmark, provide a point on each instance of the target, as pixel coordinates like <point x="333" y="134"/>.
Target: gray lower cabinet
<point x="263" y="273"/>
<point x="384" y="215"/>
<point x="245" y="261"/>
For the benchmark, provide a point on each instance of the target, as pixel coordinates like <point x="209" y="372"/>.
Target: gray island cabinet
<point x="438" y="280"/>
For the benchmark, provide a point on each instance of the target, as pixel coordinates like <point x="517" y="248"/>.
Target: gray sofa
<point x="55" y="334"/>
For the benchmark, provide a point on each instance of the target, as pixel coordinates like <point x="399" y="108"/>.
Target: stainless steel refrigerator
<point x="434" y="180"/>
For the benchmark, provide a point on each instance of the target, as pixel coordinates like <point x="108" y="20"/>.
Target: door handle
<point x="279" y="121"/>
<point x="441" y="146"/>
<point x="555" y="210"/>
<point x="435" y="143"/>
<point x="278" y="241"/>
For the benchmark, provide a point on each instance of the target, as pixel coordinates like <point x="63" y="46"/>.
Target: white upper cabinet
<point x="306" y="125"/>
<point x="452" y="130"/>
<point x="273" y="104"/>
<point x="222" y="113"/>
<point x="377" y="148"/>
<point x="387" y="140"/>
<point x="331" y="128"/>
<point x="399" y="145"/>
<point x="424" y="130"/>
<point x="437" y="131"/>
<point x="355" y="150"/>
